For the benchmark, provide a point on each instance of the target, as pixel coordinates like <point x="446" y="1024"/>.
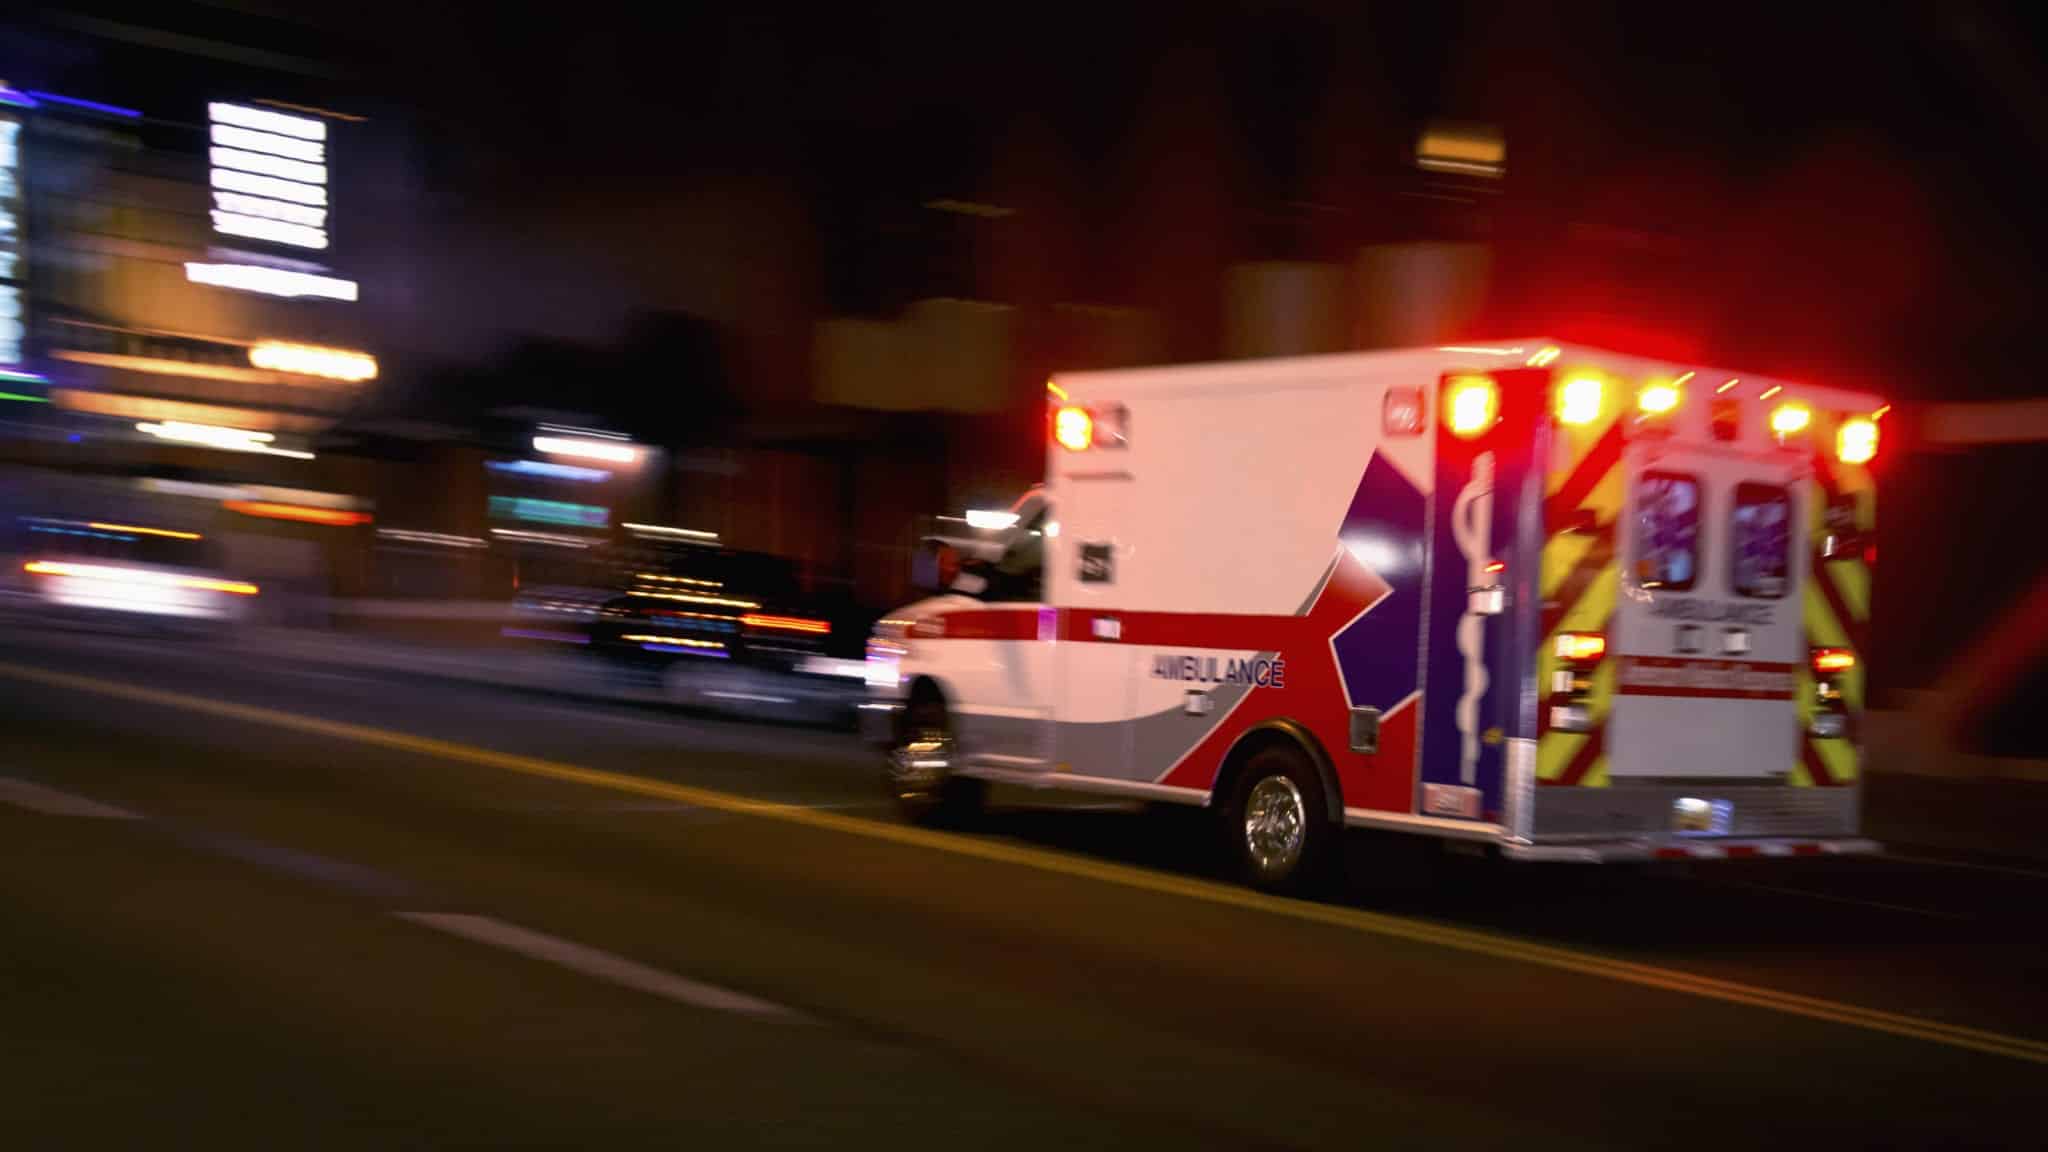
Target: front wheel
<point x="919" y="769"/>
<point x="1277" y="827"/>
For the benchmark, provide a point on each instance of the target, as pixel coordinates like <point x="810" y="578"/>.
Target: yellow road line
<point x="1139" y="879"/>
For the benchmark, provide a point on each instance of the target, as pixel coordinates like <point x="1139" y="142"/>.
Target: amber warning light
<point x="1473" y="404"/>
<point x="1074" y="428"/>
<point x="1856" y="441"/>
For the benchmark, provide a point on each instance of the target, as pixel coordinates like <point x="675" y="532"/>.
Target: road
<point x="252" y="901"/>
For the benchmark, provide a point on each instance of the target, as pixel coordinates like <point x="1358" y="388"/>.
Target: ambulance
<point x="1552" y="602"/>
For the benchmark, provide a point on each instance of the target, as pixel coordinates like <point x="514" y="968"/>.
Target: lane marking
<point x="1468" y="940"/>
<point x="328" y="871"/>
<point x="594" y="962"/>
<point x="50" y="802"/>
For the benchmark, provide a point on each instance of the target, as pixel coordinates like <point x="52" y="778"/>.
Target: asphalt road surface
<point x="257" y="902"/>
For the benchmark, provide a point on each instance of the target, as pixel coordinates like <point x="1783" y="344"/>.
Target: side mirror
<point x="935" y="566"/>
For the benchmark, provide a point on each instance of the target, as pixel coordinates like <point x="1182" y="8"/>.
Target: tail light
<point x="1581" y="647"/>
<point x="1578" y="654"/>
<point x="1830" y="712"/>
<point x="1832" y="661"/>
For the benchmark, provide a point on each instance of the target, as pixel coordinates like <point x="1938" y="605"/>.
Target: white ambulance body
<point x="1563" y="602"/>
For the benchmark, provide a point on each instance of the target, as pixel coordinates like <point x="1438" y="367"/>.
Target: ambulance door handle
<point x="1491" y="600"/>
<point x="1686" y="639"/>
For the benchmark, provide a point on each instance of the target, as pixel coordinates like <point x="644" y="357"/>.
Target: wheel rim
<point x="1275" y="825"/>
<point x="919" y="763"/>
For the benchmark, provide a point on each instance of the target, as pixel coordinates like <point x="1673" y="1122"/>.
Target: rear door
<point x="1707" y="634"/>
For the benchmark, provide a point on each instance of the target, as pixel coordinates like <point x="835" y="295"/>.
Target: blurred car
<point x="107" y="571"/>
<point x="709" y="627"/>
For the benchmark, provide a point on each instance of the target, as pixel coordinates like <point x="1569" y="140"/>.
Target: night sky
<point x="1847" y="198"/>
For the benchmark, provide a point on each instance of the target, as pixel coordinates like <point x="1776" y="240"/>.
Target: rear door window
<point x="1667" y="537"/>
<point x="1761" y="541"/>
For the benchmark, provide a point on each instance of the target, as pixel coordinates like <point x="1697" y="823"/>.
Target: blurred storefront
<point x="196" y="288"/>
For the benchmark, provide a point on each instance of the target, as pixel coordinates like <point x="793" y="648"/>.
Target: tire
<point x="919" y="769"/>
<point x="1278" y="832"/>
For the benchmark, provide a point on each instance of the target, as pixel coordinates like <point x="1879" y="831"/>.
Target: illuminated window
<point x="1667" y="531"/>
<point x="1761" y="541"/>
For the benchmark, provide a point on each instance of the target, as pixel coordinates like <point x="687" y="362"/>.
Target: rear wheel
<point x="919" y="768"/>
<point x="1277" y="827"/>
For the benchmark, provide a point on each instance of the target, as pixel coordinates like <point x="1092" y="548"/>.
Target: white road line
<point x="594" y="962"/>
<point x="50" y="802"/>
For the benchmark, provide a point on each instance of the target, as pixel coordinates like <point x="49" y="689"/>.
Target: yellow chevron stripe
<point x="1555" y="750"/>
<point x="1821" y="625"/>
<point x="1852" y="578"/>
<point x="1841" y="758"/>
<point x="1554" y="753"/>
<point x="1560" y="556"/>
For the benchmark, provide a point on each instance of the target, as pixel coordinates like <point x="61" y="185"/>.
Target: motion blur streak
<point x="140" y="576"/>
<point x="786" y="624"/>
<point x="312" y="360"/>
<point x="270" y="510"/>
<point x="718" y="601"/>
<point x="215" y="436"/>
<point x="1352" y="919"/>
<point x="665" y="530"/>
<point x="271" y="281"/>
<point x="607" y="451"/>
<point x="140" y="531"/>
<point x="671" y="641"/>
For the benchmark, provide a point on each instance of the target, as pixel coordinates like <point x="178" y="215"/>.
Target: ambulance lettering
<point x="1258" y="672"/>
<point x="1718" y="611"/>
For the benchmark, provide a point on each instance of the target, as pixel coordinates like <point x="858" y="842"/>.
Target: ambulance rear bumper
<point x="1613" y="851"/>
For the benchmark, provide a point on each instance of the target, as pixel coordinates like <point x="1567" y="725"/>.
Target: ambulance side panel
<point x="1253" y="554"/>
